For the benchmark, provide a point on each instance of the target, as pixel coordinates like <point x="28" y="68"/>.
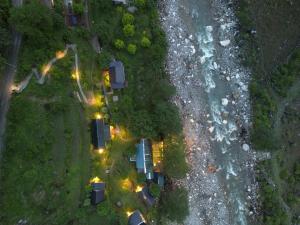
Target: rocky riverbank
<point x="213" y="98"/>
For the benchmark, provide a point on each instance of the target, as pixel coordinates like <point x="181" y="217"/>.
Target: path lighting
<point x="95" y="180"/>
<point x="46" y="69"/>
<point x="138" y="188"/>
<point x="60" y="54"/>
<point x="100" y="150"/>
<point x="129" y="213"/>
<point x="98" y="116"/>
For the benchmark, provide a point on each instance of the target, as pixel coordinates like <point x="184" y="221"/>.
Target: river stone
<point x="225" y="101"/>
<point x="211" y="129"/>
<point x="225" y="43"/>
<point x="246" y="147"/>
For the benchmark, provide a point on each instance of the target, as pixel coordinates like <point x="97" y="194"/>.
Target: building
<point x="159" y="179"/>
<point x="145" y="195"/>
<point x="118" y="2"/>
<point x="98" y="193"/>
<point x="100" y="133"/>
<point x="143" y="158"/>
<point x="136" y="218"/>
<point x="117" y="75"/>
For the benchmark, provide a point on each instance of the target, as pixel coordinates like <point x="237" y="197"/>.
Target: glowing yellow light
<point x="60" y="54"/>
<point x="95" y="180"/>
<point x="138" y="188"/>
<point x="100" y="150"/>
<point x="46" y="69"/>
<point x="126" y="184"/>
<point x="129" y="213"/>
<point x="98" y="116"/>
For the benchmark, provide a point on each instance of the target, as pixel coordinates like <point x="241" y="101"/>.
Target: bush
<point x="131" y="49"/>
<point x="129" y="30"/>
<point x="127" y="19"/>
<point x="174" y="205"/>
<point x="145" y="42"/>
<point x="119" y="44"/>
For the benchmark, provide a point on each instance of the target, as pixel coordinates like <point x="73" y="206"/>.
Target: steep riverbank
<point x="212" y="94"/>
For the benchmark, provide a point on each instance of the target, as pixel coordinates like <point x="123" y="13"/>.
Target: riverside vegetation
<point x="48" y="151"/>
<point x="275" y="102"/>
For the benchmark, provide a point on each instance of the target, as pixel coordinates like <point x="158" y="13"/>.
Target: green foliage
<point x="131" y="48"/>
<point x="167" y="118"/>
<point x="129" y="30"/>
<point x="119" y="44"/>
<point x="155" y="190"/>
<point x="78" y="8"/>
<point x="127" y="19"/>
<point x="174" y="163"/>
<point x="145" y="42"/>
<point x="140" y="3"/>
<point x="174" y="205"/>
<point x="40" y="25"/>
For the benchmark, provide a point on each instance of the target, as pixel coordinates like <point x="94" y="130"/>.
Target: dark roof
<point x="100" y="133"/>
<point x="136" y="218"/>
<point x="144" y="163"/>
<point x="117" y="75"/>
<point x="146" y="196"/>
<point x="98" y="193"/>
<point x="97" y="196"/>
<point x="159" y="179"/>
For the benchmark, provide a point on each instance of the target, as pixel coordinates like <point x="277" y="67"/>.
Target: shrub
<point x="129" y="30"/>
<point x="127" y="18"/>
<point x="131" y="49"/>
<point x="119" y="44"/>
<point x="145" y="42"/>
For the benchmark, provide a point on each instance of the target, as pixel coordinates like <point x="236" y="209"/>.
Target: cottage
<point x="98" y="193"/>
<point x="143" y="158"/>
<point x="117" y="75"/>
<point x="136" y="218"/>
<point x="145" y="195"/>
<point x="100" y="134"/>
<point x="118" y="2"/>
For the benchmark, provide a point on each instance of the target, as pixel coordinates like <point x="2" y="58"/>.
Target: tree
<point x="40" y="26"/>
<point x="167" y="119"/>
<point x="174" y="205"/>
<point x="131" y="49"/>
<point x="140" y="3"/>
<point x="145" y="42"/>
<point x="119" y="44"/>
<point x="127" y="18"/>
<point x="129" y="30"/>
<point x="174" y="163"/>
<point x="78" y="8"/>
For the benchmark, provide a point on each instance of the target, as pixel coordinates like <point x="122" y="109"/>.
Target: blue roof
<point x="159" y="179"/>
<point x="144" y="162"/>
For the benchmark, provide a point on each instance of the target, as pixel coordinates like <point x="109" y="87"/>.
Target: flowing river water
<point x="213" y="98"/>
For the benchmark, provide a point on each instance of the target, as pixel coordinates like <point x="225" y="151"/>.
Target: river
<point x="213" y="98"/>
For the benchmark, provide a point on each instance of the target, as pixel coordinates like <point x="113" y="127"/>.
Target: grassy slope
<point x="275" y="123"/>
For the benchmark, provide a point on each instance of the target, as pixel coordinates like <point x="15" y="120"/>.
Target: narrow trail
<point x="18" y="88"/>
<point x="7" y="79"/>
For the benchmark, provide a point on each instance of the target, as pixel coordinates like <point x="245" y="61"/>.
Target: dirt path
<point x="7" y="80"/>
